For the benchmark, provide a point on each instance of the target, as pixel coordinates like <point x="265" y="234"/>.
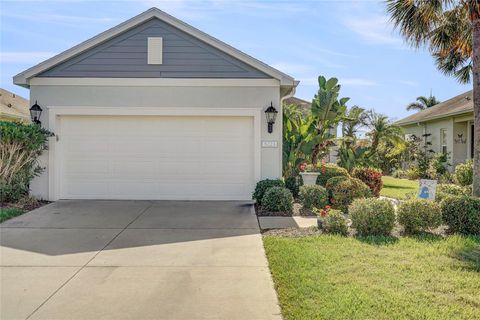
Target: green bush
<point x="277" y="199"/>
<point x="293" y="184"/>
<point x="445" y="190"/>
<point x="462" y="214"/>
<point x="343" y="190"/>
<point x="413" y="173"/>
<point x="464" y="173"/>
<point x="399" y="174"/>
<point x="262" y="186"/>
<point x="21" y="146"/>
<point x="372" y="216"/>
<point x="371" y="177"/>
<point x="330" y="170"/>
<point x="313" y="196"/>
<point x="418" y="215"/>
<point x="335" y="223"/>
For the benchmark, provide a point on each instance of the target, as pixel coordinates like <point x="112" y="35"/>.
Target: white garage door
<point x="156" y="157"/>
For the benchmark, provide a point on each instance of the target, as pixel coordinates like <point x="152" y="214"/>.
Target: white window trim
<point x="443" y="143"/>
<point x="54" y="125"/>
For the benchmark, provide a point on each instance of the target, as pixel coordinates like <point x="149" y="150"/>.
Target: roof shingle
<point x="463" y="103"/>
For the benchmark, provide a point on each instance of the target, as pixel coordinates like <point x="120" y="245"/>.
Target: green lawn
<point x="9" y="213"/>
<point x="397" y="188"/>
<point x="330" y="277"/>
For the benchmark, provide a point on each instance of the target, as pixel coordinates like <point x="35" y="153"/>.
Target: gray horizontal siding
<point x="125" y="56"/>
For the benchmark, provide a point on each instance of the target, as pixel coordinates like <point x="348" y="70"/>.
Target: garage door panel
<point x="120" y="157"/>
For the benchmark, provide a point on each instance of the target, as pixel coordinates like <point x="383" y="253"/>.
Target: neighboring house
<point x="13" y="107"/>
<point x="156" y="109"/>
<point x="450" y="124"/>
<point x="305" y="107"/>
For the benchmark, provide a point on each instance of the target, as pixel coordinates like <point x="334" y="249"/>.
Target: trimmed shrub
<point x="371" y="177"/>
<point x="335" y="223"/>
<point x="343" y="190"/>
<point x="277" y="199"/>
<point x="313" y="196"/>
<point x="293" y="184"/>
<point x="464" y="173"/>
<point x="445" y="190"/>
<point x="21" y="146"/>
<point x="462" y="214"/>
<point x="372" y="217"/>
<point x="330" y="170"/>
<point x="418" y="215"/>
<point x="262" y="186"/>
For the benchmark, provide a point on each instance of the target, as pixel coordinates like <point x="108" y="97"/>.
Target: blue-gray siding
<point x="125" y="56"/>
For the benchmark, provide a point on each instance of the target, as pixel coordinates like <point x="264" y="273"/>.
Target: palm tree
<point x="354" y="120"/>
<point x="423" y="103"/>
<point x="382" y="129"/>
<point x="451" y="31"/>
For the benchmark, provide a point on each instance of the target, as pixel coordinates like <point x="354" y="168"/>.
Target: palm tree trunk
<point x="476" y="106"/>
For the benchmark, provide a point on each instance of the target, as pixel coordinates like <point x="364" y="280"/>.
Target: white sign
<point x="427" y="189"/>
<point x="269" y="144"/>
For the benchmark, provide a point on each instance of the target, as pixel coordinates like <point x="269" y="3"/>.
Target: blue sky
<point x="350" y="40"/>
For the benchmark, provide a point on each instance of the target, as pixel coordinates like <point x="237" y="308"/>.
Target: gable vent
<point x="155" y="50"/>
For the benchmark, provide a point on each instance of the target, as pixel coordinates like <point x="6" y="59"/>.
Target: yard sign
<point x="427" y="189"/>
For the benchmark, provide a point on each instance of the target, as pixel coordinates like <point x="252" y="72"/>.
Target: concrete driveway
<point x="135" y="260"/>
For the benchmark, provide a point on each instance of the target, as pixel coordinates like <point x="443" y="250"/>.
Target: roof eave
<point x="453" y="114"/>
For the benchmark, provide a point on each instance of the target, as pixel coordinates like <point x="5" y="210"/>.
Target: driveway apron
<point x="135" y="260"/>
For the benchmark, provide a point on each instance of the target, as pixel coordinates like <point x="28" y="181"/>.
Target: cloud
<point x="57" y="18"/>
<point x="292" y="68"/>
<point x="358" y="82"/>
<point x="409" y="83"/>
<point x="373" y="29"/>
<point x="24" y="57"/>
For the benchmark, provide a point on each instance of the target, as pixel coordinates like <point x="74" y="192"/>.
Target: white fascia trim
<point x="54" y="125"/>
<point x="155" y="82"/>
<point x="23" y="77"/>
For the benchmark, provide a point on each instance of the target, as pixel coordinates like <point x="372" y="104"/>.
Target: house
<point x="450" y="125"/>
<point x="156" y="109"/>
<point x="304" y="107"/>
<point x="13" y="107"/>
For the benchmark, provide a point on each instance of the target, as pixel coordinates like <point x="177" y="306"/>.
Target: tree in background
<point x="355" y="118"/>
<point x="451" y="31"/>
<point x="327" y="111"/>
<point x="423" y="103"/>
<point x="382" y="129"/>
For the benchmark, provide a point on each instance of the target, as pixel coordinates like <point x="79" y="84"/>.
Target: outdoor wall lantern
<point x="271" y="114"/>
<point x="35" y="112"/>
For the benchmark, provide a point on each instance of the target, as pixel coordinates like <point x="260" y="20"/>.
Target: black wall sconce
<point x="271" y="114"/>
<point x="35" y="113"/>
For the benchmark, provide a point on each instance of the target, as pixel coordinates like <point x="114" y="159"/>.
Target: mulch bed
<point x="298" y="210"/>
<point x="292" y="232"/>
<point x="27" y="206"/>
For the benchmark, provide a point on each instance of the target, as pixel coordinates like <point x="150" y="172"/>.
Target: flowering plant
<point x="307" y="167"/>
<point x="324" y="212"/>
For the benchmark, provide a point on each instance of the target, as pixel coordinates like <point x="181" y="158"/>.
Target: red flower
<point x="323" y="213"/>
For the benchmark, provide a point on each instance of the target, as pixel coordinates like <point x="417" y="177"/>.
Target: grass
<point x="333" y="277"/>
<point x="398" y="188"/>
<point x="9" y="213"/>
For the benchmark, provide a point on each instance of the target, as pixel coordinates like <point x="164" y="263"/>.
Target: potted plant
<point x="309" y="173"/>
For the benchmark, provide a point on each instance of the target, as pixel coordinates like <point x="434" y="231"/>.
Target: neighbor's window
<point x="443" y="140"/>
